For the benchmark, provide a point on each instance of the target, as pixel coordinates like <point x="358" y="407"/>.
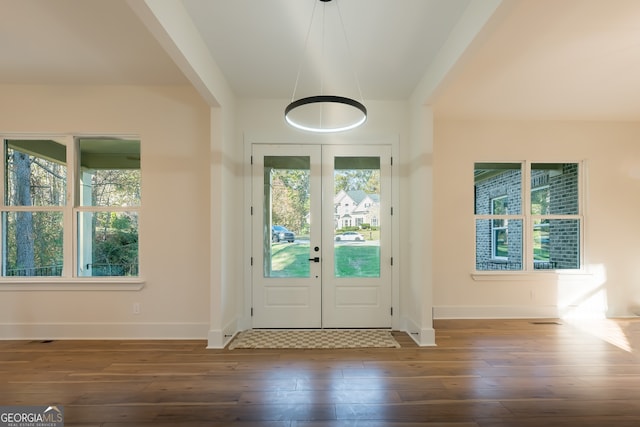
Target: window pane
<point x="554" y="189"/>
<point x="33" y="242"/>
<point x="107" y="244"/>
<point x="556" y="244"/>
<point x="287" y="210"/>
<point x="540" y="200"/>
<point x="500" y="243"/>
<point x="109" y="172"/>
<point x="36" y="173"/>
<point x="499" y="182"/>
<point x="498" y="248"/>
<point x="541" y="242"/>
<point x="357" y="217"/>
<point x="500" y="205"/>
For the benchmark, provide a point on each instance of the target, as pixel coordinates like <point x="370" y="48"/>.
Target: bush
<point x="351" y="228"/>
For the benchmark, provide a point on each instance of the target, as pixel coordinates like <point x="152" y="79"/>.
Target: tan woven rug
<point x="314" y="338"/>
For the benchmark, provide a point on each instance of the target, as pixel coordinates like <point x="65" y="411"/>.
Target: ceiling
<point x="547" y="59"/>
<point x="260" y="45"/>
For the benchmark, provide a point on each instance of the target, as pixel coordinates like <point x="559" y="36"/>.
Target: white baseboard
<point x="496" y="312"/>
<point x="424" y="337"/>
<point x="103" y="331"/>
<point x="219" y="338"/>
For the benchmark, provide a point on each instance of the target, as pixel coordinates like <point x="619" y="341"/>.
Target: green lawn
<point x="289" y="260"/>
<point x="292" y="260"/>
<point x="540" y="254"/>
<point x="357" y="261"/>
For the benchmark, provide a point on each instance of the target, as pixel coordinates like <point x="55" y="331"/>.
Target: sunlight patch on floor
<point x="606" y="329"/>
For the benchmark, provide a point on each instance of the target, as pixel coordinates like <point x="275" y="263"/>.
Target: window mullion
<point x="527" y="237"/>
<point x="68" y="229"/>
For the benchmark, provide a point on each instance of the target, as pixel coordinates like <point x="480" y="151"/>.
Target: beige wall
<point x="611" y="152"/>
<point x="174" y="126"/>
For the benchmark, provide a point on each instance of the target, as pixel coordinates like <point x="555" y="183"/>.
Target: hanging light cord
<point x="325" y="99"/>
<point x="306" y="45"/>
<point x="304" y="51"/>
<point x="346" y="40"/>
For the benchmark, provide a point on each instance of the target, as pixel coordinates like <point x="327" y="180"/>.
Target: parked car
<point x="350" y="235"/>
<point x="281" y="234"/>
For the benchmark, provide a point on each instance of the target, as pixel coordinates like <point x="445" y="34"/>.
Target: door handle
<point x="316" y="259"/>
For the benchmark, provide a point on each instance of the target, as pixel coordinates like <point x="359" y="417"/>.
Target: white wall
<point x="612" y="165"/>
<point x="416" y="274"/>
<point x="227" y="229"/>
<point x="174" y="126"/>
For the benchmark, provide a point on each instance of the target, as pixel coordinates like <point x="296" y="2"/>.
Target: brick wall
<point x="564" y="234"/>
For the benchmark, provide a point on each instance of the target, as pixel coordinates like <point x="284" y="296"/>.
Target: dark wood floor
<point x="482" y="373"/>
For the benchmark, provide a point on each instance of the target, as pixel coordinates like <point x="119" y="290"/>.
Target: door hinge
<point x="391" y="261"/>
<point x="252" y="210"/>
<point x="391" y="160"/>
<point x="391" y="210"/>
<point x="251" y="159"/>
<point x="392" y="311"/>
<point x="251" y="311"/>
<point x="252" y="261"/>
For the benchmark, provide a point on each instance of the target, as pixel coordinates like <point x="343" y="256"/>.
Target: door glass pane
<point x="286" y="216"/>
<point x="357" y="224"/>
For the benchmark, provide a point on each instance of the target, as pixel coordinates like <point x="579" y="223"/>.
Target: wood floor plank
<point x="482" y="373"/>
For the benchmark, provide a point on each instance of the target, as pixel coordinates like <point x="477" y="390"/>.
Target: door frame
<point x="243" y="317"/>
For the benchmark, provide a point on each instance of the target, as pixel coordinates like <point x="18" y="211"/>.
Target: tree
<point x="25" y="258"/>
<point x="115" y="242"/>
<point x="290" y="198"/>
<point x="33" y="241"/>
<point x="367" y="180"/>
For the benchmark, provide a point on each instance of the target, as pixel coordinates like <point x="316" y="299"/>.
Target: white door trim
<point x="243" y="319"/>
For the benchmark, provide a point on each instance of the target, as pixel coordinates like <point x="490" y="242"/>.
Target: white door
<point x="356" y="235"/>
<point x="321" y="236"/>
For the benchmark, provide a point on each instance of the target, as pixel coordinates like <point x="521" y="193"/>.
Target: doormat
<point x="314" y="339"/>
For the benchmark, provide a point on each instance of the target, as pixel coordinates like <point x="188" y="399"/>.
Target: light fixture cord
<point x="322" y="62"/>
<point x="304" y="51"/>
<point x="346" y="40"/>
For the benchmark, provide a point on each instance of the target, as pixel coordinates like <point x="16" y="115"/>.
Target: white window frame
<point x="69" y="280"/>
<point x="527" y="219"/>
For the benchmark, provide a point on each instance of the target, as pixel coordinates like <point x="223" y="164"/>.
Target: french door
<point x="321" y="236"/>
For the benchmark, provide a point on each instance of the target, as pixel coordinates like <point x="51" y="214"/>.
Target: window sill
<point x="75" y="284"/>
<point x="541" y="275"/>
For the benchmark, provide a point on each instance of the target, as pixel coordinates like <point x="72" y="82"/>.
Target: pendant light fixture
<point x="325" y="113"/>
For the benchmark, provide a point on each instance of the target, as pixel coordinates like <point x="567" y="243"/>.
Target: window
<point x="70" y="207"/>
<point x="528" y="216"/>
<point x="499" y="229"/>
